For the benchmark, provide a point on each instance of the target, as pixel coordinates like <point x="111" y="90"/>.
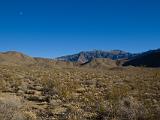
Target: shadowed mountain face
<point x="84" y="57"/>
<point x="147" y="59"/>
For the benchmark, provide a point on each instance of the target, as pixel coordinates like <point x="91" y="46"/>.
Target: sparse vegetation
<point x="71" y="93"/>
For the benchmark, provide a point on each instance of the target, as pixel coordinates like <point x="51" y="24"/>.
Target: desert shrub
<point x="11" y="109"/>
<point x="129" y="108"/>
<point x="3" y="85"/>
<point x="126" y="109"/>
<point x="117" y="92"/>
<point x="24" y="116"/>
<point x="49" y="87"/>
<point x="9" y="106"/>
<point x="29" y="115"/>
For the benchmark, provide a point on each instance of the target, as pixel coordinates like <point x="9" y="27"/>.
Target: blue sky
<point x="51" y="28"/>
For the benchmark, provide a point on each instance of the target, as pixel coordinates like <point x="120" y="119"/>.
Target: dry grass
<point x="80" y="93"/>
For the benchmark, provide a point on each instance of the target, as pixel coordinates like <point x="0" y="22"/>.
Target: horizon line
<point x="54" y="57"/>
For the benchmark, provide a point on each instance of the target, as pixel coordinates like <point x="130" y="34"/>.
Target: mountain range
<point x="87" y="56"/>
<point x="150" y="58"/>
<point x="89" y="59"/>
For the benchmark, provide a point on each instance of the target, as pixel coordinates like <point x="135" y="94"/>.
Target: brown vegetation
<point x="57" y="93"/>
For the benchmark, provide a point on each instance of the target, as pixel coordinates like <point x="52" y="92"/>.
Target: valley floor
<point x="57" y="93"/>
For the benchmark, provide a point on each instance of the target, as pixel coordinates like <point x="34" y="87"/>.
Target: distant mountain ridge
<point x="90" y="59"/>
<point x="87" y="56"/>
<point x="148" y="59"/>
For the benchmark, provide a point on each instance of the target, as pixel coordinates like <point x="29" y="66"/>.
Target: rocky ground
<point x="72" y="93"/>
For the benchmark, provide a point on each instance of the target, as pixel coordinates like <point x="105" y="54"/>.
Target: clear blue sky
<point x="50" y="28"/>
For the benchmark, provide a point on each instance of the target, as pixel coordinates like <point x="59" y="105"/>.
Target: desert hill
<point x="15" y="58"/>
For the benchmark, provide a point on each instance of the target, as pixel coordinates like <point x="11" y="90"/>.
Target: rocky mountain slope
<point x="84" y="57"/>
